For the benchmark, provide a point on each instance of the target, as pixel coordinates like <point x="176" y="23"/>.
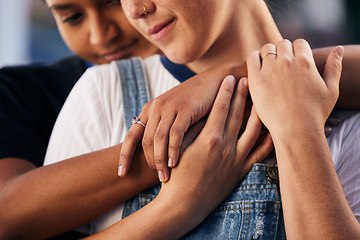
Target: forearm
<point x="80" y="189"/>
<point x="350" y="80"/>
<point x="166" y="217"/>
<point x="314" y="203"/>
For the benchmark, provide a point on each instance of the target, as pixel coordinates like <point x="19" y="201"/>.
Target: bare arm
<point x="314" y="202"/>
<point x="74" y="191"/>
<point x="204" y="176"/>
<point x="180" y="107"/>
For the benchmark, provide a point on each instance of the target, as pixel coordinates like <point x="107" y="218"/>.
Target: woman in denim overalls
<point x="254" y="209"/>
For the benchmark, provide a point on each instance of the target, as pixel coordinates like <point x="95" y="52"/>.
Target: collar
<point x="179" y="71"/>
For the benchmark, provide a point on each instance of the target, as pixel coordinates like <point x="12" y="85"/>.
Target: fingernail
<point x="171" y="162"/>
<point x="340" y="52"/>
<point x="161" y="176"/>
<point x="230" y="78"/>
<point x="245" y="82"/>
<point x="121" y="171"/>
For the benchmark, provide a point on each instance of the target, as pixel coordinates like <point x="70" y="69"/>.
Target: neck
<point x="248" y="31"/>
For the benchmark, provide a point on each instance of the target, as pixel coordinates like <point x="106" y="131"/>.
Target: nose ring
<point x="145" y="11"/>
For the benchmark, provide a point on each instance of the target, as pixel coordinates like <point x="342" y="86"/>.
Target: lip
<point x="119" y="53"/>
<point x="160" y="31"/>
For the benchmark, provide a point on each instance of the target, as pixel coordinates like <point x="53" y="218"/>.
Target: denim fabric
<point x="134" y="89"/>
<point x="252" y="211"/>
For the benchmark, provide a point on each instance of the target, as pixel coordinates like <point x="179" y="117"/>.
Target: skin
<point x="167" y="122"/>
<point x="306" y="177"/>
<point x="85" y="208"/>
<point x="98" y="32"/>
<point x="263" y="30"/>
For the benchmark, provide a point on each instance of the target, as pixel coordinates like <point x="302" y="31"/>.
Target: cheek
<point x="78" y="42"/>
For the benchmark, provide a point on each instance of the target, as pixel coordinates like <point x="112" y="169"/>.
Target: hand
<point x="169" y="116"/>
<point x="216" y="162"/>
<point x="287" y="88"/>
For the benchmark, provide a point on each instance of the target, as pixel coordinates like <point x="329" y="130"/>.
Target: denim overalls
<point x="252" y="211"/>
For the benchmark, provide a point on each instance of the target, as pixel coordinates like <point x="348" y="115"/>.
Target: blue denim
<point x="134" y="89"/>
<point x="252" y="211"/>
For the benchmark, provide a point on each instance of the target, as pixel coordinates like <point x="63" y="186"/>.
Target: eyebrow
<point x="60" y="6"/>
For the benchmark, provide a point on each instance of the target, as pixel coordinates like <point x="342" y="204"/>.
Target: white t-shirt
<point x="92" y="119"/>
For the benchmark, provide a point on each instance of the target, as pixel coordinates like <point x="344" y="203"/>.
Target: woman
<point x="31" y="98"/>
<point x="98" y="95"/>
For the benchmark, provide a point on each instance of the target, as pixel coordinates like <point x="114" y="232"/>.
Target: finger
<point x="268" y="52"/>
<point x="219" y="112"/>
<point x="285" y="49"/>
<point x="177" y="131"/>
<point x="333" y="68"/>
<point x="260" y="153"/>
<point x="132" y="139"/>
<point x="303" y="49"/>
<point x="148" y="140"/>
<point x="251" y="134"/>
<point x="253" y="66"/>
<point x="161" y="138"/>
<point x="237" y="108"/>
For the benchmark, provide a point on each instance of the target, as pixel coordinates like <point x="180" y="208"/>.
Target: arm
<point x="307" y="174"/>
<point x="79" y="187"/>
<point x="170" y="115"/>
<point x="204" y="175"/>
<point x="82" y="187"/>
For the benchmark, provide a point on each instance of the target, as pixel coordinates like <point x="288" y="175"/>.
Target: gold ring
<point x="136" y="120"/>
<point x="270" y="52"/>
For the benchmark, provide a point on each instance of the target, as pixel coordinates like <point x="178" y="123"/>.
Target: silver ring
<point x="136" y="120"/>
<point x="270" y="52"/>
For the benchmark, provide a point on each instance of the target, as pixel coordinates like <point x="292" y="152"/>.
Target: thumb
<point x="333" y="68"/>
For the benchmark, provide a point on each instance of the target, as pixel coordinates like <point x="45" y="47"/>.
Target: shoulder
<point x="159" y="78"/>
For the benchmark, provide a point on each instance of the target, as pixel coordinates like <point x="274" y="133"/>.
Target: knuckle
<point x="237" y="116"/>
<point x="300" y="41"/>
<point x="267" y="47"/>
<point x="124" y="157"/>
<point x="213" y="141"/>
<point x="159" y="136"/>
<point x="284" y="42"/>
<point x="147" y="142"/>
<point x="222" y="106"/>
<point x="304" y="61"/>
<point x="158" y="161"/>
<point x="337" y="65"/>
<point x="176" y="131"/>
<point x="286" y="61"/>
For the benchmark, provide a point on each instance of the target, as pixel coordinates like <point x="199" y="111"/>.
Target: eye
<point x="73" y="19"/>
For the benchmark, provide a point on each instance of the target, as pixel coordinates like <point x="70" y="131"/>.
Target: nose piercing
<point x="145" y="11"/>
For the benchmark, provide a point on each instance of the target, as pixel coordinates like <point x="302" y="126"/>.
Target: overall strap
<point x="134" y="89"/>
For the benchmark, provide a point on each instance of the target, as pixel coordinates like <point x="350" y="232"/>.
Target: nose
<point x="102" y="30"/>
<point x="137" y="9"/>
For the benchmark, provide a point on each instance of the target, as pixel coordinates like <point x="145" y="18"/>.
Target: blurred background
<point x="28" y="32"/>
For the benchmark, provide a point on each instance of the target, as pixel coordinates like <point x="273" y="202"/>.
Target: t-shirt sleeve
<point x="30" y="99"/>
<point x="347" y="159"/>
<point x="90" y="118"/>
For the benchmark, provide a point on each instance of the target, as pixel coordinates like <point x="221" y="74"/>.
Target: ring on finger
<point x="268" y="53"/>
<point x="136" y="120"/>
